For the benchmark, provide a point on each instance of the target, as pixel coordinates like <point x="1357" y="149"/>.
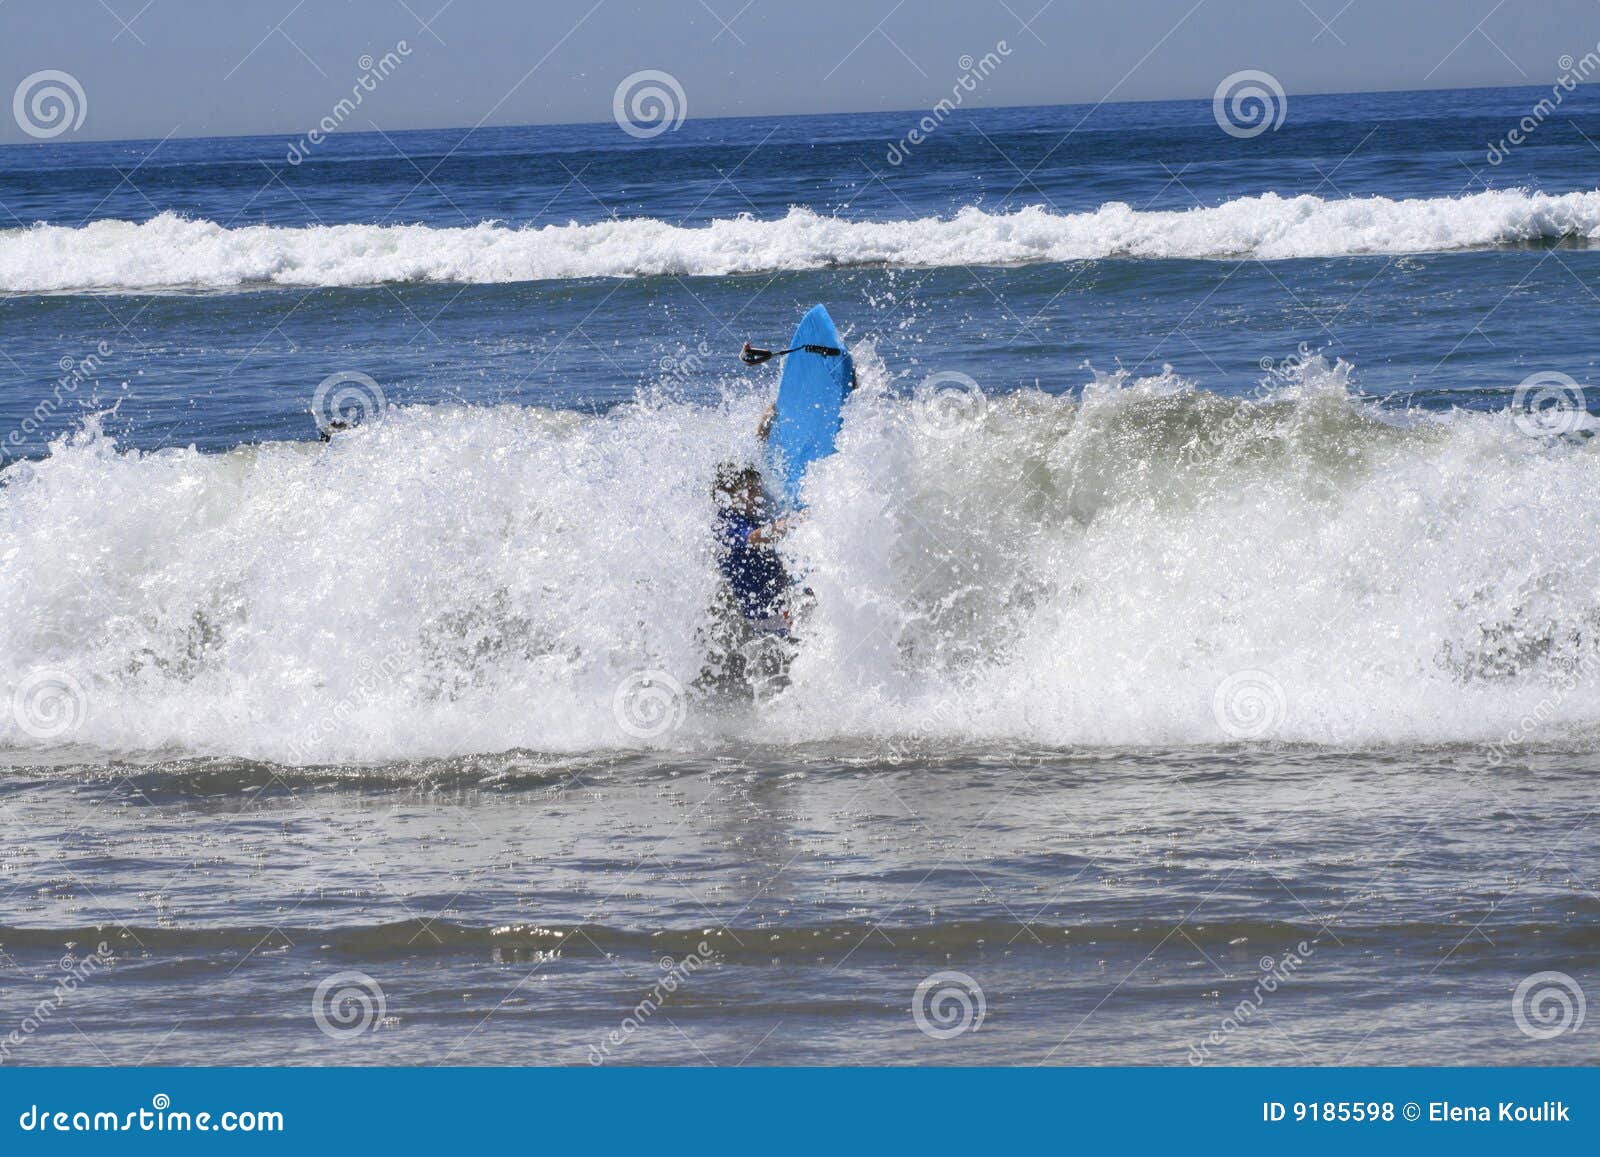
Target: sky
<point x="153" y="68"/>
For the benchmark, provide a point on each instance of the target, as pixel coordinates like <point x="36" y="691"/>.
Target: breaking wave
<point x="1147" y="563"/>
<point x="172" y="252"/>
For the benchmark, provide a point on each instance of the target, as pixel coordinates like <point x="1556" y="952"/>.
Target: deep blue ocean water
<point x="1455" y="328"/>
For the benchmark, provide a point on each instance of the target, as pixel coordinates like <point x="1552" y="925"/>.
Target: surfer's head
<point x="737" y="486"/>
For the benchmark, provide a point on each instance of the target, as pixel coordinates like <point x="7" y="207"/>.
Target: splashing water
<point x="1147" y="564"/>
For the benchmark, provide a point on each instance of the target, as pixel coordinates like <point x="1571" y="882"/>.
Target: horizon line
<point x="174" y="134"/>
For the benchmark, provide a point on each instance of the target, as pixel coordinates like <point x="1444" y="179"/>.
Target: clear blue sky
<point x="148" y="67"/>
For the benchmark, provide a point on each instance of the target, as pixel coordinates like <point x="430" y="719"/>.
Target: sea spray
<point x="1103" y="569"/>
<point x="169" y="251"/>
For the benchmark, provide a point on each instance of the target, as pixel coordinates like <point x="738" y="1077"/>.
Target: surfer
<point x="749" y="646"/>
<point x="746" y="555"/>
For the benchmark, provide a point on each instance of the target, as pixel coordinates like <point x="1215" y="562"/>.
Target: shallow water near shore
<point x="1114" y="906"/>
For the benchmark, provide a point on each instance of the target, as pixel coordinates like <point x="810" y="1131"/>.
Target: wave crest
<point x="171" y="252"/>
<point x="1068" y="571"/>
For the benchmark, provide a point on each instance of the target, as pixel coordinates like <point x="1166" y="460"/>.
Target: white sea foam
<point x="1151" y="564"/>
<point x="170" y="252"/>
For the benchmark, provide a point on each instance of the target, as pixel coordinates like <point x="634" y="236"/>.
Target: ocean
<point x="1206" y="636"/>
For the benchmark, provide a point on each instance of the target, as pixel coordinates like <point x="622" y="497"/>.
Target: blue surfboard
<point x="817" y="377"/>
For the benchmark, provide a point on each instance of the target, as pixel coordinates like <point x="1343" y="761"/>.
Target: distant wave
<point x="171" y="252"/>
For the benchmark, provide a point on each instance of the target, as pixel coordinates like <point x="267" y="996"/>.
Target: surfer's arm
<point x="762" y="535"/>
<point x="765" y="427"/>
